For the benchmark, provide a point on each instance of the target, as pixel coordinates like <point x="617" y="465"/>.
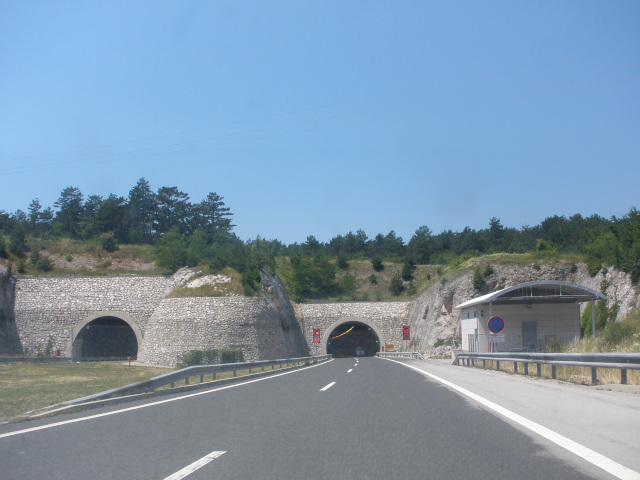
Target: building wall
<point x="560" y="321"/>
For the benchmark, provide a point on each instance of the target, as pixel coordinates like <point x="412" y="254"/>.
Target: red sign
<point x="316" y="335"/>
<point x="406" y="332"/>
<point x="316" y="339"/>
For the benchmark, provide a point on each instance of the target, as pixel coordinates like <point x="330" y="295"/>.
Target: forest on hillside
<point x="189" y="234"/>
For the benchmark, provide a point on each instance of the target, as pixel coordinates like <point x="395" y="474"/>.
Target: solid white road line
<point x="106" y="414"/>
<point x="189" y="469"/>
<point x="591" y="456"/>
<point x="327" y="387"/>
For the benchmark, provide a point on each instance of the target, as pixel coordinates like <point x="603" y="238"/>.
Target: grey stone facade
<point x="56" y="308"/>
<point x="251" y="324"/>
<point x="385" y="318"/>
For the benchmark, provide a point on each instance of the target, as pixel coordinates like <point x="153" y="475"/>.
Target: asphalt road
<point x="346" y="419"/>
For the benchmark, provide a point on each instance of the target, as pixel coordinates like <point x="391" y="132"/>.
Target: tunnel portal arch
<point x="368" y="336"/>
<point x="105" y="334"/>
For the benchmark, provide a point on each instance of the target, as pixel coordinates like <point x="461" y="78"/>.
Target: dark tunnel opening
<point x="106" y="338"/>
<point x="353" y="339"/>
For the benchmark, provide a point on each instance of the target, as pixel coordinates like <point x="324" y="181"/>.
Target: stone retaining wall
<point x="52" y="307"/>
<point x="252" y="324"/>
<point x="385" y="318"/>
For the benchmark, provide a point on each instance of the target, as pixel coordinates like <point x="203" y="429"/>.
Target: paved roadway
<point x="345" y="419"/>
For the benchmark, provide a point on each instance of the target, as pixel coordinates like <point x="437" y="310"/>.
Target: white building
<point x="530" y="314"/>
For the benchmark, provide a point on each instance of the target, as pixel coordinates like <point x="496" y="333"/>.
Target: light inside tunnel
<point x="353" y="339"/>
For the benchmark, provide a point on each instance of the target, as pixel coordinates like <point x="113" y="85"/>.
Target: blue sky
<point x="321" y="117"/>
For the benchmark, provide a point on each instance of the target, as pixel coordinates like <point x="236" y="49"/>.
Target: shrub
<point x="373" y="280"/>
<point x="478" y="279"/>
<point x="69" y="258"/>
<point x="439" y="342"/>
<point x="108" y="243"/>
<point x="555" y="346"/>
<point x="210" y="357"/>
<point x="376" y="263"/>
<point x="396" y="287"/>
<point x="44" y="264"/>
<point x="349" y="284"/>
<point x="408" y="268"/>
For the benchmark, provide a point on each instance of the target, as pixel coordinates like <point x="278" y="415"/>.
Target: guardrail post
<point x="234" y="372"/>
<point x="201" y="378"/>
<point x="173" y="384"/>
<point x="484" y="363"/>
<point x="623" y="376"/>
<point x="497" y="365"/>
<point x="186" y="380"/>
<point x="539" y="369"/>
<point x="515" y="367"/>
<point x="553" y="372"/>
<point x="594" y="375"/>
<point x="213" y="376"/>
<point x="526" y="368"/>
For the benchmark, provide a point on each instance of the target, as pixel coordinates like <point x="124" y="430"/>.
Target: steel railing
<point x="621" y="361"/>
<point x="172" y="378"/>
<point x="401" y="355"/>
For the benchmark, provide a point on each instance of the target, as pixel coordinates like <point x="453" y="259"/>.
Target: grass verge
<point x="27" y="386"/>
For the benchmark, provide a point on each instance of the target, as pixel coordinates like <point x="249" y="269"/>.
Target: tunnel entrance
<point x="107" y="338"/>
<point x="352" y="339"/>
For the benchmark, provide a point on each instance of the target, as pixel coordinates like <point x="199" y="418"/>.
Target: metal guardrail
<point x="173" y="377"/>
<point x="622" y="361"/>
<point x="401" y="354"/>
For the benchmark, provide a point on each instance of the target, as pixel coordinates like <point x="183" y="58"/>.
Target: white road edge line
<point x="327" y="387"/>
<point x="175" y="399"/>
<point x="189" y="469"/>
<point x="591" y="456"/>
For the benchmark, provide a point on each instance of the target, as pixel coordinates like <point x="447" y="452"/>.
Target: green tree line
<point x="188" y="234"/>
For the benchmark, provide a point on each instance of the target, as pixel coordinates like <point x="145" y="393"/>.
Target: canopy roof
<point x="541" y="291"/>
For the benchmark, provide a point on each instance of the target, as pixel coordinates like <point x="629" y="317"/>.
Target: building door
<point x="530" y="335"/>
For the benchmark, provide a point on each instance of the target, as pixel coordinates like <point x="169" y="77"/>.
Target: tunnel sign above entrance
<point x="496" y="324"/>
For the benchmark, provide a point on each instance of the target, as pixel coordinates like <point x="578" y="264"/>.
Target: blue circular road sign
<point x="496" y="324"/>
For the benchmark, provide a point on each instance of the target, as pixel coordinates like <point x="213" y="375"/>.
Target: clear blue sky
<point x="321" y="117"/>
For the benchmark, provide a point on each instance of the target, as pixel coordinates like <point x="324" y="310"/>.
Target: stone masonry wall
<point x="386" y="317"/>
<point x="51" y="307"/>
<point x="249" y="323"/>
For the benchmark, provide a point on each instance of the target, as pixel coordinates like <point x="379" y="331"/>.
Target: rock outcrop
<point x="433" y="318"/>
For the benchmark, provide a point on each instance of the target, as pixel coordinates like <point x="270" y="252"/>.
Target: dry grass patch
<point x="28" y="386"/>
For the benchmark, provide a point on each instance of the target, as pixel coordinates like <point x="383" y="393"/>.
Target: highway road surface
<point x="349" y="418"/>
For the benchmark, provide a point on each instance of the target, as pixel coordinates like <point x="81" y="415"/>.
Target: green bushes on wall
<point x="210" y="357"/>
